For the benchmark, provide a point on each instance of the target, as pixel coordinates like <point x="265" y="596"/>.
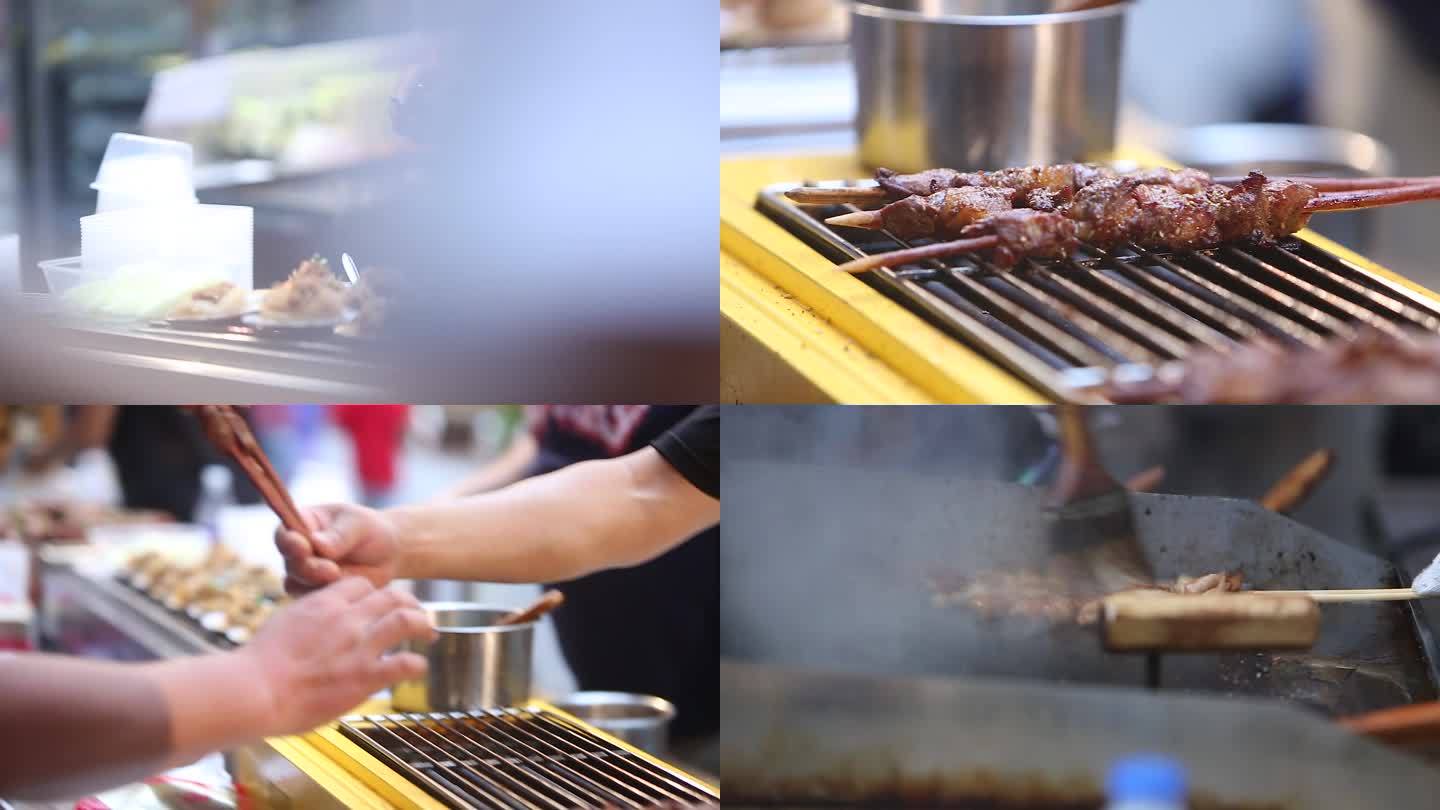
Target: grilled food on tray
<point x="1045" y="187"/>
<point x="222" y="300"/>
<point x="1047" y="211"/>
<point x="312" y="294"/>
<point x="220" y="593"/>
<point x="1373" y="368"/>
<point x="1051" y="595"/>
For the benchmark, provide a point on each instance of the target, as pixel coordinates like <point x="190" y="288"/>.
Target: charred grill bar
<point x="519" y="758"/>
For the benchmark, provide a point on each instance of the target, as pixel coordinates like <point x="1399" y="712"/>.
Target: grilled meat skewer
<point x="1342" y="183"/>
<point x="1053" y="595"/>
<point x="1040" y="187"/>
<point x="1373" y="368"/>
<point x="1117" y="211"/>
<point x="1107" y="206"/>
<point x="1043" y="187"/>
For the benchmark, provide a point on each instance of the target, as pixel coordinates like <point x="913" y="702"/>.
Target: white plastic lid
<point x="145" y="168"/>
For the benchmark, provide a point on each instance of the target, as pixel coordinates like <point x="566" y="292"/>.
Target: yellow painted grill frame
<point x="794" y="330"/>
<point x="357" y="779"/>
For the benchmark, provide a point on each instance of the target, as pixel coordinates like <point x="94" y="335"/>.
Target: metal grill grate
<point x="518" y="758"/>
<point x="1064" y="326"/>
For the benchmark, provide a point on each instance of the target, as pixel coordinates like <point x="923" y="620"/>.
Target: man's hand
<point x="349" y="541"/>
<point x="328" y="652"/>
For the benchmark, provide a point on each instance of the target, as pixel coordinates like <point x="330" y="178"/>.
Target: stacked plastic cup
<point x="141" y="172"/>
<point x="149" y="235"/>
<point x="208" y="242"/>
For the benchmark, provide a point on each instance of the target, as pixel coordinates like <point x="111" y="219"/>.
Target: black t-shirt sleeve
<point x="693" y="449"/>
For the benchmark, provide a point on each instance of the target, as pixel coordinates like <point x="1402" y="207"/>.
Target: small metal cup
<point x="984" y="84"/>
<point x="473" y="665"/>
<point x="640" y="720"/>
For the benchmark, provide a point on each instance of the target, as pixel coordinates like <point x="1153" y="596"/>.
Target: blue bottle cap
<point x="1146" y="778"/>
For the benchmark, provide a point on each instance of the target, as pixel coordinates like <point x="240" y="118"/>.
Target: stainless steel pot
<point x="473" y="665"/>
<point x="973" y="84"/>
<point x="641" y="720"/>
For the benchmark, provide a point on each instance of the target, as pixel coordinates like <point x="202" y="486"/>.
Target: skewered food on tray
<point x="1051" y="595"/>
<point x="216" y="301"/>
<point x="1052" y="209"/>
<point x="1040" y="187"/>
<point x="219" y="593"/>
<point x="1056" y="182"/>
<point x="1118" y="211"/>
<point x="1372" y="368"/>
<point x="312" y="294"/>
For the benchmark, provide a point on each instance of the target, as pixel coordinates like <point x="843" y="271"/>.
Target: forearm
<point x="75" y="726"/>
<point x="90" y="427"/>
<point x="509" y="467"/>
<point x="576" y="521"/>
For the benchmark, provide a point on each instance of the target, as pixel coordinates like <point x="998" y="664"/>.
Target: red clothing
<point x="377" y="432"/>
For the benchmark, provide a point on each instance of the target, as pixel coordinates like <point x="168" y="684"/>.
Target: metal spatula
<point x="1094" y="523"/>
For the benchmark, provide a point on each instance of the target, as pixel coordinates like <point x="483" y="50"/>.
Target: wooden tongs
<point x="227" y="429"/>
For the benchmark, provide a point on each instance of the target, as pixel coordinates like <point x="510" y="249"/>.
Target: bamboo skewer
<point x="1298" y="483"/>
<point x="1338" y="201"/>
<point x="1351" y="595"/>
<point x="909" y="255"/>
<point x="1373" y="198"/>
<point x="1342" y="183"/>
<point x="547" y="602"/>
<point x="1416" y="723"/>
<point x="871" y="195"/>
<point x="805" y="195"/>
<point x="1146" y="480"/>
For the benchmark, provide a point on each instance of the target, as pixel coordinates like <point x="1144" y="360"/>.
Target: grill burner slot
<point x="517" y="758"/>
<point x="1062" y="324"/>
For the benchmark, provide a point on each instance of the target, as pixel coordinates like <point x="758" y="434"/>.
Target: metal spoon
<point x="349" y="265"/>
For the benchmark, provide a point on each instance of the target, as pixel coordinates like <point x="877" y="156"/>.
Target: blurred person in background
<point x="159" y="454"/>
<point x="377" y="434"/>
<point x="49" y="419"/>
<point x="74" y="726"/>
<point x="619" y="505"/>
<point x="286" y="433"/>
<point x="610" y="308"/>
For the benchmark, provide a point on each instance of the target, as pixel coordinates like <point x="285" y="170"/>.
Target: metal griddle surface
<point x="796" y="737"/>
<point x="828" y="566"/>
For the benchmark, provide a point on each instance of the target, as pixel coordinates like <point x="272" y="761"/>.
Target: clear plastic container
<point x="63" y="275"/>
<point x="138" y="172"/>
<point x="193" y="240"/>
